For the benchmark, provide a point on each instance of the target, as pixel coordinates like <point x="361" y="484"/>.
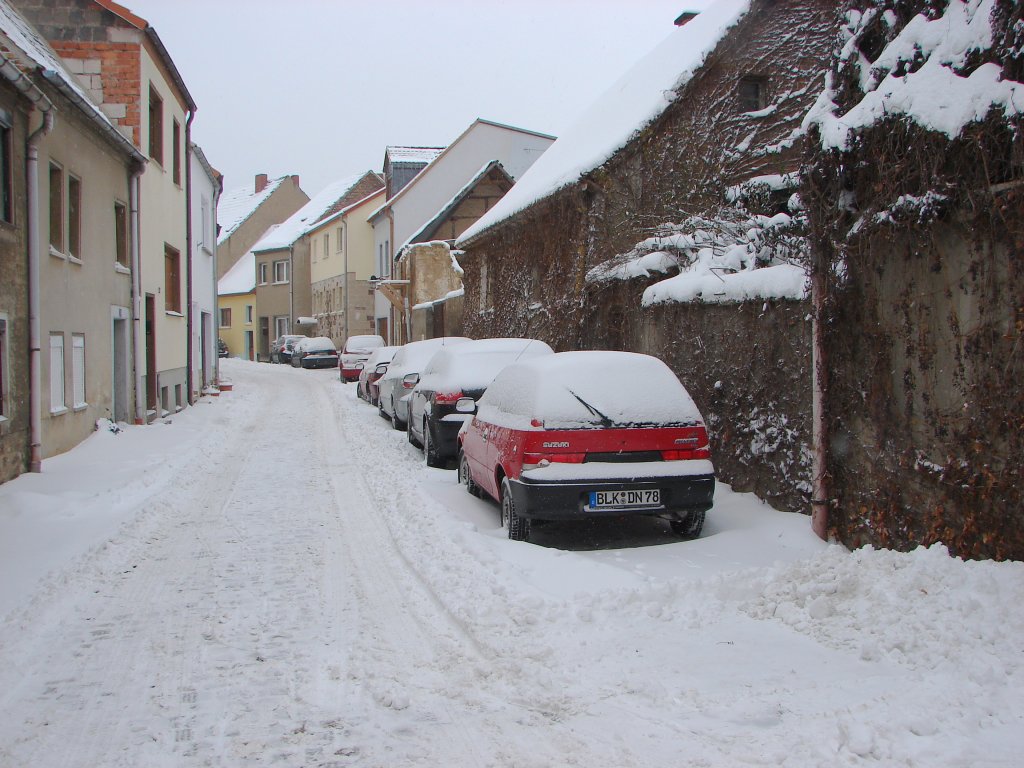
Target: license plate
<point x="618" y="499"/>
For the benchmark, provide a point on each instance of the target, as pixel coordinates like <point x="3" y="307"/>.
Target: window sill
<point x="121" y="269"/>
<point x="58" y="254"/>
<point x="5" y="425"/>
<point x="58" y="412"/>
<point x="172" y="313"/>
<point x="74" y="260"/>
<point x="79" y="407"/>
<point x="280" y="282"/>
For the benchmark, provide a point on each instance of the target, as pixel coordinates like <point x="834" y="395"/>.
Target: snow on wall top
<point x="304" y="219"/>
<point x="237" y="205"/>
<point x="638" y="98"/>
<point x="938" y="94"/>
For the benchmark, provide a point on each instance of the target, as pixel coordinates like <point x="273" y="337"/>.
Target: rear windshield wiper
<point x="605" y="421"/>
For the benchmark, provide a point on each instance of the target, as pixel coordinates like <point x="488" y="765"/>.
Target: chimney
<point x="261" y="182"/>
<point x="686" y="17"/>
<point x="295" y="180"/>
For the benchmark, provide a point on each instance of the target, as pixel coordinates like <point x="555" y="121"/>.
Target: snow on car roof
<point x="475" y="364"/>
<point x="381" y="355"/>
<point x="363" y="343"/>
<point x="317" y="342"/>
<point x="574" y="389"/>
<point x="414" y="356"/>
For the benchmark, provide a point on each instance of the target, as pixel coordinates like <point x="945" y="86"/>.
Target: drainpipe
<point x="344" y="247"/>
<point x="215" y="320"/>
<point x="139" y="352"/>
<point x="35" y="335"/>
<point x="819" y="427"/>
<point x="291" y="287"/>
<point x="189" y="320"/>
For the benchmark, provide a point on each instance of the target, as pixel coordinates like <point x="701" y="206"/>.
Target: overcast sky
<point x="321" y="87"/>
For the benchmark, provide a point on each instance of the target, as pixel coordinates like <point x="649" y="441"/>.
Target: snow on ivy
<point x="925" y="73"/>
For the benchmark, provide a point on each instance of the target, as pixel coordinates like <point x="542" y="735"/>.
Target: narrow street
<point x="297" y="589"/>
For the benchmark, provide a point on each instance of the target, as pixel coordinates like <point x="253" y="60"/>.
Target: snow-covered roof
<point x="427" y="229"/>
<point x="413" y="154"/>
<point x="304" y="219"/>
<point x="615" y="118"/>
<point x="241" y="278"/>
<point x="938" y="93"/>
<point x="238" y="204"/>
<point x="36" y="52"/>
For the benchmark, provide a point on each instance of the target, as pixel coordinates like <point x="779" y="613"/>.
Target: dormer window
<point x="752" y="93"/>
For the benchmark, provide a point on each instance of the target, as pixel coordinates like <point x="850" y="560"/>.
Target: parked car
<point x="579" y="434"/>
<point x="281" y="348"/>
<point x="355" y="353"/>
<point x="453" y="375"/>
<point x="315" y="352"/>
<point x="222" y="348"/>
<point x="374" y="367"/>
<point x="411" y="358"/>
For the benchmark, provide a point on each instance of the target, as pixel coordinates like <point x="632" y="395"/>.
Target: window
<point x="78" y="370"/>
<point x="248" y="314"/>
<point x="74" y="217"/>
<point x="121" y="233"/>
<point x="337" y="240"/>
<point x="751" y="93"/>
<point x="56" y="208"/>
<point x="327" y="240"/>
<point x="6" y="173"/>
<point x="225" y="317"/>
<point x="264" y="269"/>
<point x="172" y="279"/>
<point x="5" y="408"/>
<point x="156" y="126"/>
<point x="280" y="271"/>
<point x="176" y="152"/>
<point x="56" y="372"/>
<point x="281" y="326"/>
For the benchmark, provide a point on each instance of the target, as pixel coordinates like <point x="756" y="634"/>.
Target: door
<point x="121" y="371"/>
<point x="151" y="387"/>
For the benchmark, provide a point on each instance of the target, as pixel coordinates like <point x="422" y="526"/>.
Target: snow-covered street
<point x="275" y="577"/>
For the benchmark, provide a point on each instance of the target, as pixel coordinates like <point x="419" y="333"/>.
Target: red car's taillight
<point x="447" y="398"/>
<point x="695" y="447"/>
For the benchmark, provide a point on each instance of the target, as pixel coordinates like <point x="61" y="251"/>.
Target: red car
<point x="579" y="434"/>
<point x="354" y="355"/>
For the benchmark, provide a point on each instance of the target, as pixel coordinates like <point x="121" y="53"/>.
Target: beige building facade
<point x="343" y="260"/>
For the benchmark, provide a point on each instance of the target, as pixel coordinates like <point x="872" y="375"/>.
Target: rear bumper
<point x="568" y="500"/>
<point x="319" y="362"/>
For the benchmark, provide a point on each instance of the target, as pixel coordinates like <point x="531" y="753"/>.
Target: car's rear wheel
<point x="689" y="527"/>
<point x="466" y="478"/>
<point x="518" y="528"/>
<point x="430" y="448"/>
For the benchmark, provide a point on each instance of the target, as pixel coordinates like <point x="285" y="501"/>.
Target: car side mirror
<point x="410" y="379"/>
<point x="465" y="405"/>
<point x="381" y="369"/>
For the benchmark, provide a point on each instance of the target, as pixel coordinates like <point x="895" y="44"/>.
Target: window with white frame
<point x="281" y="271"/>
<point x="264" y="271"/>
<point x="225" y="317"/>
<point x="281" y="325"/>
<point x="248" y="314"/>
<point x="327" y="243"/>
<point x="337" y="240"/>
<point x="74" y="217"/>
<point x="78" y="370"/>
<point x="57" y="404"/>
